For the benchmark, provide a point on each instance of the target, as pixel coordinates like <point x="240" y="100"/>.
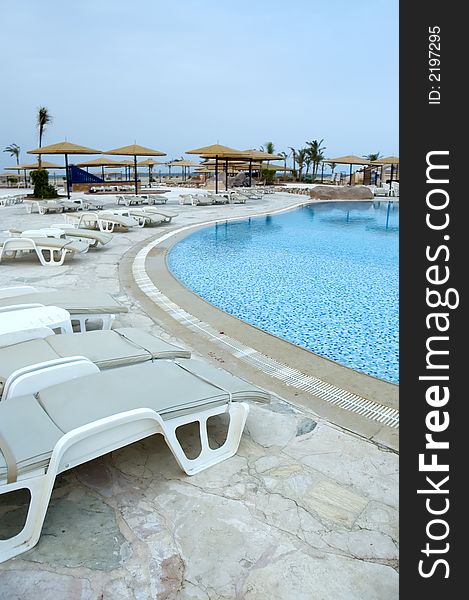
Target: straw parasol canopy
<point x="261" y="155"/>
<point x="184" y="164"/>
<point x="65" y="148"/>
<point x="388" y="160"/>
<point x="275" y="168"/>
<point x="101" y="162"/>
<point x="135" y="150"/>
<point x="217" y="151"/>
<point x="33" y="167"/>
<point x="349" y="159"/>
<point x="150" y="163"/>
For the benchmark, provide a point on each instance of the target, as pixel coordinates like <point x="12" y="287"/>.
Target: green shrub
<point x="42" y="189"/>
<point x="268" y="176"/>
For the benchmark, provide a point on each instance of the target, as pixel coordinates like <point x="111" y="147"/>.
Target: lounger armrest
<point x="16" y="337"/>
<point x="32" y="379"/>
<point x="107" y="434"/>
<point x="16" y="291"/>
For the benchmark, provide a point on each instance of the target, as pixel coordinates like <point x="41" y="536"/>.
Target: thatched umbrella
<point x="101" y="162"/>
<point x="150" y="163"/>
<point x="183" y="164"/>
<point x="33" y="167"/>
<point x="135" y="150"/>
<point x="65" y="148"/>
<point x="388" y="160"/>
<point x="217" y="151"/>
<point x="254" y="155"/>
<point x="349" y="159"/>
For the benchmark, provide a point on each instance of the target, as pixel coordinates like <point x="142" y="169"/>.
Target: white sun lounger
<point x="30" y="316"/>
<point x="164" y="212"/>
<point x="63" y="413"/>
<point x="149" y="199"/>
<point x="66" y="231"/>
<point x="156" y="199"/>
<point x="90" y="203"/>
<point x="103" y="220"/>
<point x="106" y="349"/>
<point x="43" y="206"/>
<point x="237" y="198"/>
<point x="130" y="200"/>
<point x="50" y="251"/>
<point x="11" y="200"/>
<point x="186" y="199"/>
<point x="83" y="305"/>
<point x="145" y="217"/>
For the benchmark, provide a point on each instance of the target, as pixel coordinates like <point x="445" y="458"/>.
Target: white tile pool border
<point x="288" y="375"/>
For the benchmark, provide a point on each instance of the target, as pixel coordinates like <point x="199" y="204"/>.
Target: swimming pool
<point x="324" y="277"/>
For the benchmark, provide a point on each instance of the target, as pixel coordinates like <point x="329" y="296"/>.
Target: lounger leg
<point x="40" y="489"/>
<point x="81" y="320"/>
<point x="238" y="412"/>
<point x="105" y="226"/>
<point x="51" y="262"/>
<point x="106" y="320"/>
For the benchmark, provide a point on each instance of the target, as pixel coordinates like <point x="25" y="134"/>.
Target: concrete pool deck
<point x="307" y="508"/>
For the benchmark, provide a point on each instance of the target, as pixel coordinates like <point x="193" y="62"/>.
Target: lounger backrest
<point x="16" y="337"/>
<point x="31" y="379"/>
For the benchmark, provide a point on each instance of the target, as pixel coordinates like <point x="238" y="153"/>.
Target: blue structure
<point x="77" y="175"/>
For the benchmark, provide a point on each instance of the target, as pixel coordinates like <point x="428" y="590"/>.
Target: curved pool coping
<point x="355" y="400"/>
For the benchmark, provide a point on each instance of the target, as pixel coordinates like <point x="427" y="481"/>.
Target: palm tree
<point x="43" y="119"/>
<point x="315" y="154"/>
<point x="14" y="150"/>
<point x="372" y="157"/>
<point x="293" y="153"/>
<point x="301" y="159"/>
<point x="268" y="147"/>
<point x="285" y="156"/>
<point x="307" y="163"/>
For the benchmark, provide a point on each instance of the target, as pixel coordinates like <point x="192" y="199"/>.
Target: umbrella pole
<point x="390" y="181"/>
<point x="350" y="176"/>
<point x="135" y="174"/>
<point x="250" y="172"/>
<point x="322" y="173"/>
<point x="102" y="172"/>
<point x="216" y="174"/>
<point x="67" y="176"/>
<point x="25" y="182"/>
<point x="226" y="175"/>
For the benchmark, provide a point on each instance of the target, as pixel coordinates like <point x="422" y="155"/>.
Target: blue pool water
<point x="324" y="277"/>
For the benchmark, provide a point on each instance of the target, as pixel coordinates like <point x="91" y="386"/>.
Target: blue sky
<point x="179" y="75"/>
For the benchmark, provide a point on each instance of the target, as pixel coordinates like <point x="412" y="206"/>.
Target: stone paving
<point x="304" y="510"/>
